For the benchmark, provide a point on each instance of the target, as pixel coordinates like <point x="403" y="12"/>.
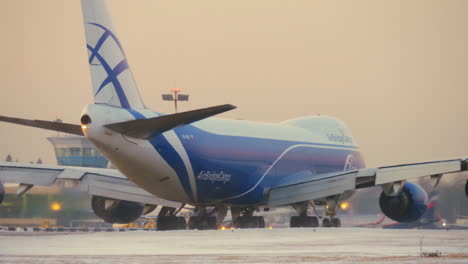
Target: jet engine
<point x="407" y="206"/>
<point x="115" y="211"/>
<point x="2" y="192"/>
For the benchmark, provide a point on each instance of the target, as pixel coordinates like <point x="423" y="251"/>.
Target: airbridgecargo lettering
<point x="340" y="138"/>
<point x="213" y="176"/>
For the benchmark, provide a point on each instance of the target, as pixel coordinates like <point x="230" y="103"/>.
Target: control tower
<point x="77" y="151"/>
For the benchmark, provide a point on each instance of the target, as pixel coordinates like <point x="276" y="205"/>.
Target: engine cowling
<point x="408" y="206"/>
<point x="120" y="212"/>
<point x="2" y="192"/>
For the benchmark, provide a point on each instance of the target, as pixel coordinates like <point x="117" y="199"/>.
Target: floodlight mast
<point x="175" y="96"/>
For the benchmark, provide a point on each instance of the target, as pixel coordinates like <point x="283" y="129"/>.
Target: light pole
<point x="175" y="96"/>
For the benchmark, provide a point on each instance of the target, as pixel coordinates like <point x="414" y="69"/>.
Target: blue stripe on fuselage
<point x="226" y="166"/>
<point x="170" y="155"/>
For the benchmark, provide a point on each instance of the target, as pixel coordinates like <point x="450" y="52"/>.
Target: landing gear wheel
<point x="193" y="222"/>
<point x="294" y="222"/>
<point x="202" y="223"/>
<point x="167" y="220"/>
<point x="250" y="222"/>
<point x="335" y="222"/>
<point x="315" y="221"/>
<point x="181" y="224"/>
<point x="170" y="222"/>
<point x="304" y="221"/>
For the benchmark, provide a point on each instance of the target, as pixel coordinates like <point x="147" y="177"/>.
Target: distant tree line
<point x="9" y="158"/>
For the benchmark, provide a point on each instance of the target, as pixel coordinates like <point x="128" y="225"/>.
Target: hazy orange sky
<point x="395" y="71"/>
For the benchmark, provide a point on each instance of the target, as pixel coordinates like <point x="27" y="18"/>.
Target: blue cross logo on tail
<point x="112" y="74"/>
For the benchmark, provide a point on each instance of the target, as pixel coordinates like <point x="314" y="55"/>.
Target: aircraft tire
<point x="326" y="222"/>
<point x="315" y="221"/>
<point x="335" y="222"/>
<point x="193" y="222"/>
<point x="250" y="222"/>
<point x="202" y="223"/>
<point x="166" y="223"/>
<point x="304" y="221"/>
<point x="294" y="222"/>
<point x="181" y="224"/>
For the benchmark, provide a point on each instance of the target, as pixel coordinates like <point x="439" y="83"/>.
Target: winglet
<point x="146" y="128"/>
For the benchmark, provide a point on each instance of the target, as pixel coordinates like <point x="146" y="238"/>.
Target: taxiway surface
<point x="303" y="245"/>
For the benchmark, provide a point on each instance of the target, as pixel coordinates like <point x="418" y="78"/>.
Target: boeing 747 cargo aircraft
<point x="192" y="158"/>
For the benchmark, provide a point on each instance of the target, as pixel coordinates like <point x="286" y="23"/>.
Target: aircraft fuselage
<point x="218" y="161"/>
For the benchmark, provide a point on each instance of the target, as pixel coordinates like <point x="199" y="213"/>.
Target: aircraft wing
<point x="108" y="183"/>
<point x="312" y="186"/>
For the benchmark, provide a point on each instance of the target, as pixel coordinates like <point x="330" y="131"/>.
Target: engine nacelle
<point x="408" y="206"/>
<point x="119" y="212"/>
<point x="2" y="192"/>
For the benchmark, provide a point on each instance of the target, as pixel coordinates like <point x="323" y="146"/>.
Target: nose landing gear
<point x="332" y="221"/>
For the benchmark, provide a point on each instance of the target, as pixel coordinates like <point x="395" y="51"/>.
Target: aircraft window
<point x="75" y="151"/>
<point x="68" y="152"/>
<point x="87" y="152"/>
<point x="60" y="152"/>
<point x="91" y="152"/>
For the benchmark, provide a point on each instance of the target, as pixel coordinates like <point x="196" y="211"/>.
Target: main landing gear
<point x="203" y="220"/>
<point x="167" y="220"/>
<point x="304" y="220"/>
<point x="244" y="218"/>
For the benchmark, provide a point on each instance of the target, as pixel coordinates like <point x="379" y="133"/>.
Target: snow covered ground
<point x="303" y="245"/>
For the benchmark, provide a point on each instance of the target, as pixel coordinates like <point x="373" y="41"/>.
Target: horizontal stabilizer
<point x="50" y="125"/>
<point x="146" y="128"/>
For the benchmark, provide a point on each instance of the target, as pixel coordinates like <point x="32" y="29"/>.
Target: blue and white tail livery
<point x="113" y="82"/>
<point x="192" y="158"/>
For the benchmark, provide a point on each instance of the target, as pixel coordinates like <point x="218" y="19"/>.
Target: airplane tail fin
<point x="113" y="82"/>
